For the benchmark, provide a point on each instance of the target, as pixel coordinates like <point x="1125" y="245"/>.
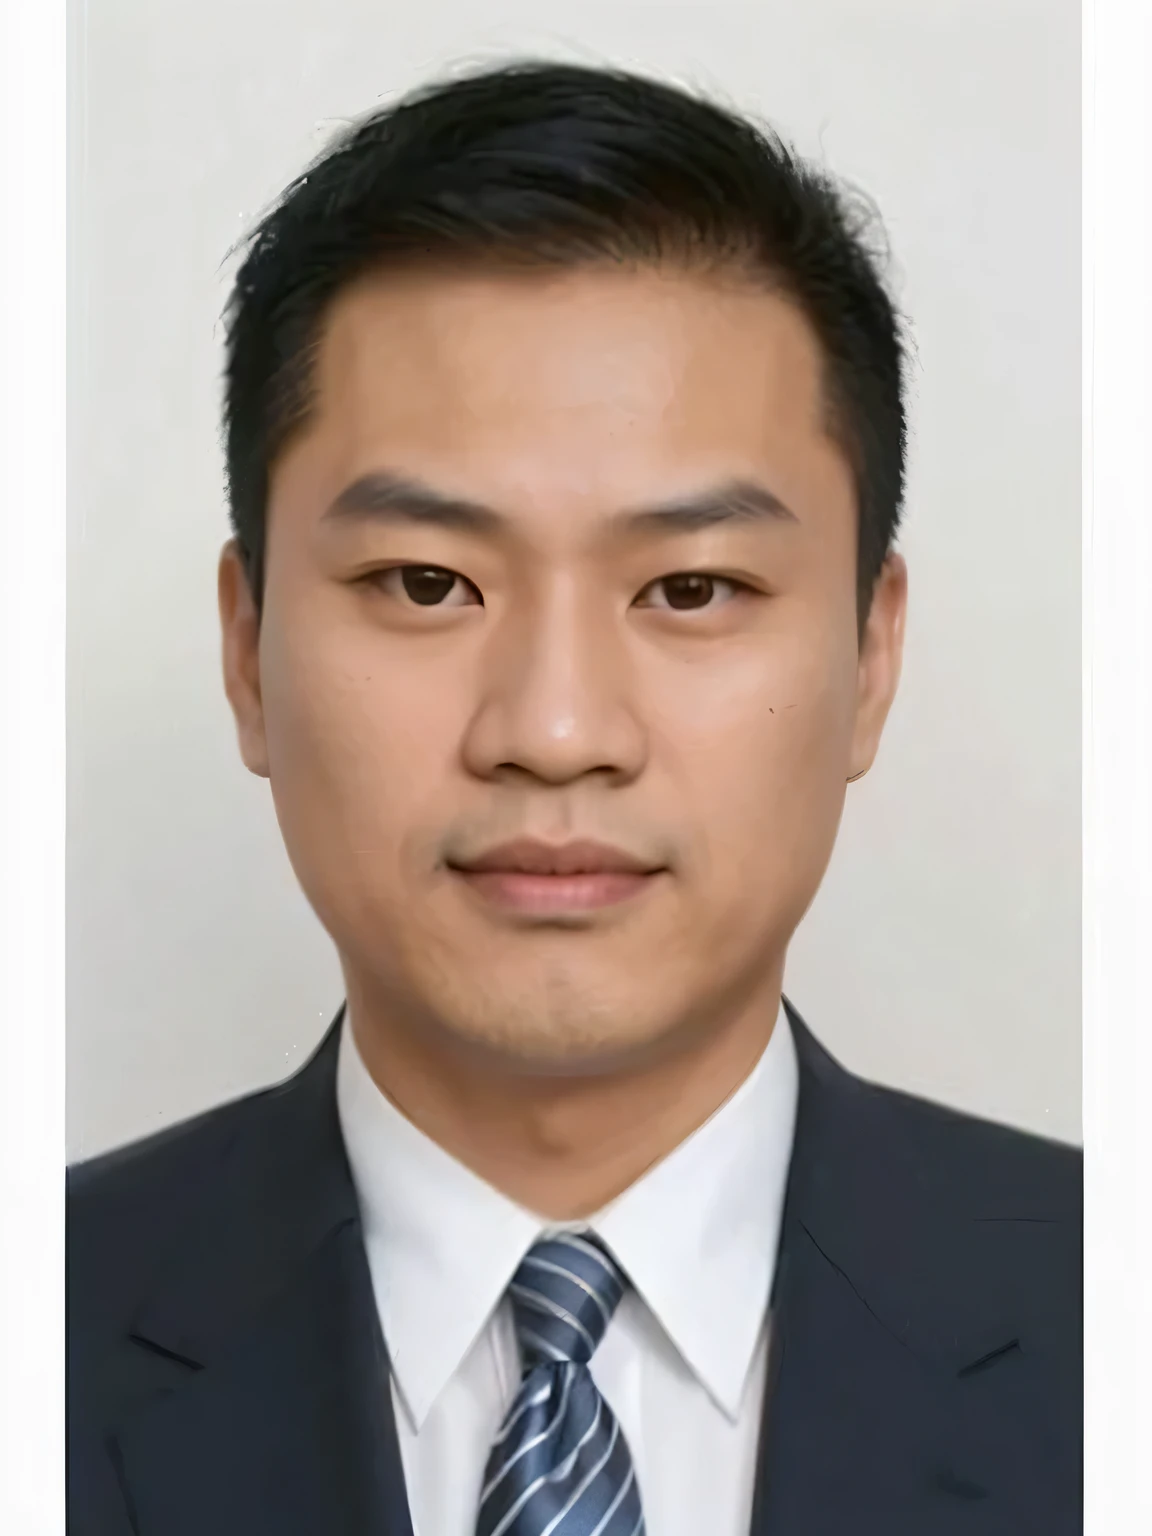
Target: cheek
<point x="758" y="748"/>
<point x="356" y="745"/>
<point x="770" y="710"/>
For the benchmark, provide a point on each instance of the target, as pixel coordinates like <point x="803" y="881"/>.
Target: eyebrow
<point x="384" y="497"/>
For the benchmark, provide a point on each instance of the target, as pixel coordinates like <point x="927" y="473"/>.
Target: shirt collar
<point x="442" y="1244"/>
<point x="697" y="1233"/>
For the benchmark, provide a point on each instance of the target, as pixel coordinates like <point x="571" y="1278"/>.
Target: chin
<point x="550" y="1055"/>
<point x="567" y="1027"/>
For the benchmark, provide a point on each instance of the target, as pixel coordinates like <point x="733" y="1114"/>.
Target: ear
<point x="240" y="631"/>
<point x="881" y="657"/>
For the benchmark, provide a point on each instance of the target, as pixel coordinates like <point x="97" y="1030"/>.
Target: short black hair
<point x="546" y="163"/>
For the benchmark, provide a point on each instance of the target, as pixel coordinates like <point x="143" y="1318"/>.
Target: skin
<point x="562" y="690"/>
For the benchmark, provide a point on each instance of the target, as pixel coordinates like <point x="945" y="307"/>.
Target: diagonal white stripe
<point x="557" y="1474"/>
<point x="556" y="1310"/>
<point x="582" y="1245"/>
<point x="529" y="1402"/>
<point x="579" y="1493"/>
<point x="529" y="1444"/>
<point x="540" y="1343"/>
<point x="616" y="1502"/>
<point x="558" y="1269"/>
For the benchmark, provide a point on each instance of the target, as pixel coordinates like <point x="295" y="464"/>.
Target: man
<point x="565" y="441"/>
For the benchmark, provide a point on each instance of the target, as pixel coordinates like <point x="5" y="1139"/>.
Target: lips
<point x="525" y="856"/>
<point x="543" y="879"/>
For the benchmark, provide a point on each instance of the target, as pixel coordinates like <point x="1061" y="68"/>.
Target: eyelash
<point x="738" y="588"/>
<point x="377" y="578"/>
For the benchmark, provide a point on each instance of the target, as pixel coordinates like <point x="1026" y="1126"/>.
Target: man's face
<point x="561" y="559"/>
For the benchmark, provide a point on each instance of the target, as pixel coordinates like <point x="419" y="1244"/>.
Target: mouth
<point x="545" y="879"/>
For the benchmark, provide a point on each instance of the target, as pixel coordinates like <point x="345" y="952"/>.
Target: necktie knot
<point x="563" y="1296"/>
<point x="560" y="1465"/>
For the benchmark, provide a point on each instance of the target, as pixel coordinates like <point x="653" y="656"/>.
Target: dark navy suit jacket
<point x="227" y="1374"/>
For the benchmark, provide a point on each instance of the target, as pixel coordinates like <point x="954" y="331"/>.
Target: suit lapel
<point x="886" y="1342"/>
<point x="264" y="1399"/>
<point x="269" y="1406"/>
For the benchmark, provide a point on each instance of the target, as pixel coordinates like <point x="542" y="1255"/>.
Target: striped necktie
<point x="560" y="1465"/>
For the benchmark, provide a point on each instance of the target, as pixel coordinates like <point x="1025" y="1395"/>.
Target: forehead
<point x="622" y="382"/>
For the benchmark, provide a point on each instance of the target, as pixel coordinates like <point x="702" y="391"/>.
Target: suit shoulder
<point x="993" y="1166"/>
<point x="150" y="1185"/>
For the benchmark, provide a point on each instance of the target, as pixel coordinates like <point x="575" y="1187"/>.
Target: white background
<point x="1117" y="546"/>
<point x="942" y="954"/>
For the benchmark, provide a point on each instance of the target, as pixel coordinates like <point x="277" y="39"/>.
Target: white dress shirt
<point x="682" y="1364"/>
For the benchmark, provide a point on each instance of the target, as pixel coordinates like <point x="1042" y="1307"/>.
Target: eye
<point x="428" y="586"/>
<point x="689" y="591"/>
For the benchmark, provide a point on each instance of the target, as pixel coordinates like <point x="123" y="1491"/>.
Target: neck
<point x="561" y="1146"/>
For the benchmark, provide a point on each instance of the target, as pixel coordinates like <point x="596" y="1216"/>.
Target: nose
<point x="555" y="701"/>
